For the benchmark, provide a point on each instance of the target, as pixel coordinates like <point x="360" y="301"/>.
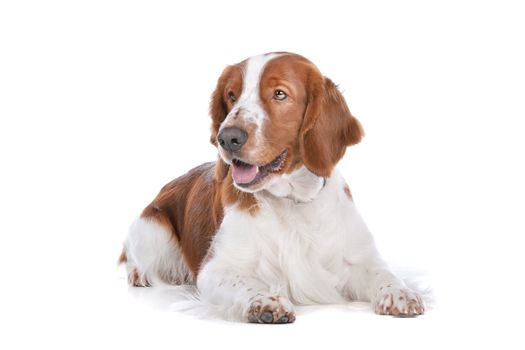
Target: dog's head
<point x="273" y="114"/>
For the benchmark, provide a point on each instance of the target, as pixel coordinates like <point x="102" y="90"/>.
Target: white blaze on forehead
<point x="249" y="101"/>
<point x="252" y="75"/>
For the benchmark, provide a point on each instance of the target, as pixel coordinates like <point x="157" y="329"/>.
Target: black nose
<point x="232" y="139"/>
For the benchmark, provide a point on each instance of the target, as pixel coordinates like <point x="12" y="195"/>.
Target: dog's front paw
<point x="397" y="301"/>
<point x="270" y="309"/>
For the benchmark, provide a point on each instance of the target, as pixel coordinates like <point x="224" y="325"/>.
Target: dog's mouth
<point x="247" y="175"/>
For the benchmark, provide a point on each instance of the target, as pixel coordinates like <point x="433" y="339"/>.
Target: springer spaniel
<point x="271" y="224"/>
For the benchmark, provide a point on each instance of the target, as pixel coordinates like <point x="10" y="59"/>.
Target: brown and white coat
<point x="272" y="222"/>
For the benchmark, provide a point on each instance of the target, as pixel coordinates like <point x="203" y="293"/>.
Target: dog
<point x="272" y="223"/>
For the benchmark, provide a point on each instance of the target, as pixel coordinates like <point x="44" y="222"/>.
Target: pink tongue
<point x="244" y="174"/>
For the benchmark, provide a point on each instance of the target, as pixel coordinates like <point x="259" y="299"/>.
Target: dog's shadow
<point x="185" y="299"/>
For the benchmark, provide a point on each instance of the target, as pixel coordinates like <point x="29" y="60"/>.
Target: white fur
<point x="153" y="255"/>
<point x="308" y="252"/>
<point x="306" y="244"/>
<point x="300" y="186"/>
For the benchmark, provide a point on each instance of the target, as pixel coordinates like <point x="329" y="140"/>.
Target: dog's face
<point x="273" y="114"/>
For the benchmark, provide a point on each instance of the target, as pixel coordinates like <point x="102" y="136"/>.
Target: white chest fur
<point x="300" y="241"/>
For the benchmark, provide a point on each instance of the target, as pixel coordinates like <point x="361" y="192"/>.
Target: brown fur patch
<point x="347" y="191"/>
<point x="122" y="258"/>
<point x="190" y="207"/>
<point x="328" y="127"/>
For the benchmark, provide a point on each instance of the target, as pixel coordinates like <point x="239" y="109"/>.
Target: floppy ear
<point x="218" y="108"/>
<point x="328" y="127"/>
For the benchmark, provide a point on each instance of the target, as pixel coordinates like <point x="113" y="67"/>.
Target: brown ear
<point x="328" y="127"/>
<point x="218" y="108"/>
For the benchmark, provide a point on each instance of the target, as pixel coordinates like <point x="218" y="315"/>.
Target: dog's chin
<point x="253" y="178"/>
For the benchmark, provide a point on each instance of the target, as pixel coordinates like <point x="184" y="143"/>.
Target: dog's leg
<point x="366" y="277"/>
<point x="387" y="293"/>
<point x="241" y="298"/>
<point x="152" y="255"/>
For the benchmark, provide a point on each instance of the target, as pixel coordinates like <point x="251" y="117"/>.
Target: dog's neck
<point x="301" y="186"/>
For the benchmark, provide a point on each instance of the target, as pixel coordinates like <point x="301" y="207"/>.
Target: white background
<point x="103" y="102"/>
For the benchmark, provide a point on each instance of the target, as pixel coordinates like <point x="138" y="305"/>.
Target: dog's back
<point x="173" y="234"/>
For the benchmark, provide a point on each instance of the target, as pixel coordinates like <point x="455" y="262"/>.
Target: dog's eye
<point x="279" y="95"/>
<point x="231" y="96"/>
